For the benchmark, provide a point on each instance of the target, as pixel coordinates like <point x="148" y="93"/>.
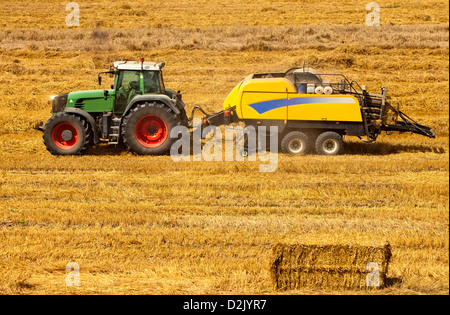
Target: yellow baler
<point x="312" y="111"/>
<point x="277" y="98"/>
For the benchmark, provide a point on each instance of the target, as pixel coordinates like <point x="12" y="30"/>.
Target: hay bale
<point x="334" y="266"/>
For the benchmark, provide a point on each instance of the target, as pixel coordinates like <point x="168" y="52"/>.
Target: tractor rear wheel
<point x="295" y="142"/>
<point x="329" y="143"/>
<point x="66" y="134"/>
<point x="146" y="129"/>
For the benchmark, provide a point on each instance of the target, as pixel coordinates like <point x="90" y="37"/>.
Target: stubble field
<point x="149" y="225"/>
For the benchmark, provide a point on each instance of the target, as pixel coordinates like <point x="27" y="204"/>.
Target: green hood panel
<point x="86" y="94"/>
<point x="91" y="100"/>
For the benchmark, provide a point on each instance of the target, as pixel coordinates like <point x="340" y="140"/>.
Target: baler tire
<point x="67" y="134"/>
<point x="295" y="142"/>
<point x="329" y="143"/>
<point x="136" y="133"/>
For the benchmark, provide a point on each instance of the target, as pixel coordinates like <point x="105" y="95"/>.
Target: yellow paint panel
<point x="268" y="99"/>
<point x="232" y="98"/>
<point x="249" y="98"/>
<point x="301" y="107"/>
<point x="277" y="85"/>
<point x="329" y="111"/>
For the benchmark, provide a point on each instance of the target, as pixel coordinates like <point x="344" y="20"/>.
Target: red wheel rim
<point x="151" y="131"/>
<point x="65" y="136"/>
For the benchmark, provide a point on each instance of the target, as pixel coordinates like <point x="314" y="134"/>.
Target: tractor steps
<point x="114" y="136"/>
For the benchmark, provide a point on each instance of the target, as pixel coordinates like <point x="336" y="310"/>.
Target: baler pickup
<point x="408" y="125"/>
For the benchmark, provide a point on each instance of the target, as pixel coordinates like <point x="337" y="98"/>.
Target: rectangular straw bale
<point x="294" y="266"/>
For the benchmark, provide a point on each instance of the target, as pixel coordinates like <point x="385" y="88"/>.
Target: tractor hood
<point x="89" y="94"/>
<point x="91" y="100"/>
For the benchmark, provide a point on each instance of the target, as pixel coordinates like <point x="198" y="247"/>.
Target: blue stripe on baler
<point x="266" y="106"/>
<point x="263" y="107"/>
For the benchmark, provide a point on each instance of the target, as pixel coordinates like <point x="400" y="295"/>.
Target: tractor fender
<point x="179" y="102"/>
<point x="85" y="115"/>
<point x="151" y="98"/>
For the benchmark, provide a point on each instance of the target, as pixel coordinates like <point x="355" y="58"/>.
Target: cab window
<point x="151" y="82"/>
<point x="127" y="87"/>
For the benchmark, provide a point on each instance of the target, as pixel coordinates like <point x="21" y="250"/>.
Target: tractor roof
<point x="136" y="65"/>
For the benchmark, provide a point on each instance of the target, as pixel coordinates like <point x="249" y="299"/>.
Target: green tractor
<point x="138" y="111"/>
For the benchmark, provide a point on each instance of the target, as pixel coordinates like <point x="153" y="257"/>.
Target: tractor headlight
<point x="58" y="102"/>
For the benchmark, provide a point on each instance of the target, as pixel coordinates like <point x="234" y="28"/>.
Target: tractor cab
<point x="133" y="78"/>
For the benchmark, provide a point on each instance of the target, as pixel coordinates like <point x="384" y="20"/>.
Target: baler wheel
<point x="295" y="142"/>
<point x="329" y="143"/>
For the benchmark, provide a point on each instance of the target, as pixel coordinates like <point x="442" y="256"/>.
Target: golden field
<point x="149" y="225"/>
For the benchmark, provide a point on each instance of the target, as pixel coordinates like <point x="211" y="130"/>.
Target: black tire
<point x="146" y="129"/>
<point x="67" y="134"/>
<point x="329" y="143"/>
<point x="295" y="142"/>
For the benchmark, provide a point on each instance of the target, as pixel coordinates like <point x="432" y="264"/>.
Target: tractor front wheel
<point x="66" y="134"/>
<point x="146" y="129"/>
